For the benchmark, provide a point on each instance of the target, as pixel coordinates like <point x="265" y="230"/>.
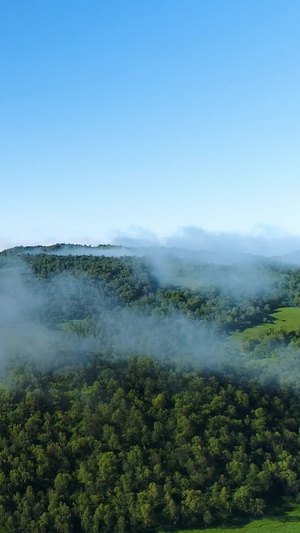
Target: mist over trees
<point x="125" y="403"/>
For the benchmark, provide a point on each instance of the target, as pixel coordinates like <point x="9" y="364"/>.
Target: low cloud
<point x="41" y="320"/>
<point x="266" y="241"/>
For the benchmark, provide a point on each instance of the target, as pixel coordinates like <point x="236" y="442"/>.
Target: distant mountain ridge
<point x="184" y="254"/>
<point x="224" y="257"/>
<point x="56" y="248"/>
<point x="290" y="258"/>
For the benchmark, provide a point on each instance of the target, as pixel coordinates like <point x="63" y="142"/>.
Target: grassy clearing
<point x="282" y="519"/>
<point x="286" y="318"/>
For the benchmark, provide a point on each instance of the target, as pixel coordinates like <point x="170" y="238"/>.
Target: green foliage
<point x="285" y="519"/>
<point x="130" y="445"/>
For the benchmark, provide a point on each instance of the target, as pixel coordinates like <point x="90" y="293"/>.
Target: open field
<point x="282" y="519"/>
<point x="285" y="318"/>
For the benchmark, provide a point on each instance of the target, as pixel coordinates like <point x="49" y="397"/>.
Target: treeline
<point x="134" y="446"/>
<point x="130" y="282"/>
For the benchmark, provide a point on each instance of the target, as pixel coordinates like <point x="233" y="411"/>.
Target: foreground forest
<point x="131" y="401"/>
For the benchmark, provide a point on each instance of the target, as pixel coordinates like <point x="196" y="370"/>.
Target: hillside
<point x="126" y="406"/>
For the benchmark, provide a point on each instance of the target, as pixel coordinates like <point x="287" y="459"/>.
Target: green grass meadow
<point x="287" y="318"/>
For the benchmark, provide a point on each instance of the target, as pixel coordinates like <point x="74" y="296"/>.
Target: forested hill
<point x="238" y="295"/>
<point x="126" y="407"/>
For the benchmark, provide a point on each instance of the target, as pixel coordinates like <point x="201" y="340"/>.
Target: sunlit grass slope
<point x="286" y="318"/>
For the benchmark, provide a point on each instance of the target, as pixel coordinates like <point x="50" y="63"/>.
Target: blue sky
<point x="127" y="117"/>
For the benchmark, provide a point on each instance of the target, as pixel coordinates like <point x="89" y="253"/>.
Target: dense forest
<point x="126" y="402"/>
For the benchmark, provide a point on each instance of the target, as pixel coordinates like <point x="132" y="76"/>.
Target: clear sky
<point x="154" y="114"/>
